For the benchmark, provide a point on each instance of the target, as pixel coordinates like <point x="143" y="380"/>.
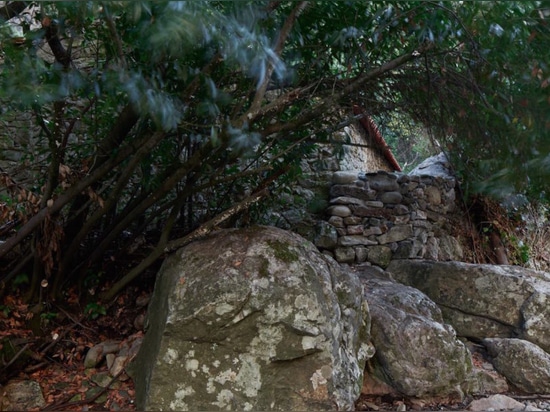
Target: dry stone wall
<point x="377" y="217"/>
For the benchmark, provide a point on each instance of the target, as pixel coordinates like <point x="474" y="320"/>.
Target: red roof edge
<point x="371" y="128"/>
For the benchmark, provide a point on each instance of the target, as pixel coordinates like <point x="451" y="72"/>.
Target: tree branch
<point x="325" y="104"/>
<point x="283" y="35"/>
<point x="70" y="194"/>
<point x="203" y="230"/>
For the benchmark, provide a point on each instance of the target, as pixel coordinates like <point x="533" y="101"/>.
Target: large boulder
<point x="437" y="165"/>
<point x="484" y="301"/>
<point x="523" y="363"/>
<point x="416" y="352"/>
<point x="253" y="319"/>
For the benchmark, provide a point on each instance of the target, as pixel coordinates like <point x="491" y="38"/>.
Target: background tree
<point x="132" y="122"/>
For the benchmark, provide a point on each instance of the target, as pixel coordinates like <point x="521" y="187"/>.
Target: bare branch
<point x="324" y="105"/>
<point x="202" y="231"/>
<point x="283" y="35"/>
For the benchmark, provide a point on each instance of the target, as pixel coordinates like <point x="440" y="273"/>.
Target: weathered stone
<point x="326" y="236"/>
<point x="363" y="211"/>
<point x="396" y="234"/>
<point x="361" y="254"/>
<point x="449" y="248"/>
<point x="390" y="197"/>
<point x="353" y="220"/>
<point x="252" y="319"/>
<point x="344" y="254"/>
<point x="355" y="240"/>
<point x="536" y="312"/>
<point x="400" y="210"/>
<point x="523" y="363"/>
<point x="496" y="403"/>
<point x="346" y="200"/>
<point x="380" y="255"/>
<point x="483" y="301"/>
<point x="382" y="181"/>
<point x="433" y="195"/>
<point x="437" y="165"/>
<point x="369" y="231"/>
<point x="21" y="396"/>
<point x="374" y="203"/>
<point x="355" y="230"/>
<point x="401" y="220"/>
<point x="340" y="210"/>
<point x="345" y="177"/>
<point x="431" y="251"/>
<point x="416" y="352"/>
<point x="349" y="191"/>
<point x="336" y="221"/>
<point x="405" y="250"/>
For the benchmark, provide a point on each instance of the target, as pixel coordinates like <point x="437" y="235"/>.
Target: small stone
<point x="496" y="403"/>
<point x="353" y="220"/>
<point x="361" y="254"/>
<point x="109" y="359"/>
<point x="355" y="240"/>
<point x="342" y="211"/>
<point x="380" y="256"/>
<point x="374" y="203"/>
<point x="391" y="197"/>
<point x="336" y="221"/>
<point x="94" y="356"/>
<point x="355" y="230"/>
<point x="400" y="210"/>
<point x="372" y="231"/>
<point x="345" y="177"/>
<point x="344" y="255"/>
<point x="396" y="234"/>
<point x="346" y="200"/>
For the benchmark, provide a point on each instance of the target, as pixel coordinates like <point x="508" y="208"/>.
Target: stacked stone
<point x="377" y="217"/>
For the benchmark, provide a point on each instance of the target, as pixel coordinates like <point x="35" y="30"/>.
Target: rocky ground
<point x="60" y="361"/>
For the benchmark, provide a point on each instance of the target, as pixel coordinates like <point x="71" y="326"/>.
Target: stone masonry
<point x="377" y="217"/>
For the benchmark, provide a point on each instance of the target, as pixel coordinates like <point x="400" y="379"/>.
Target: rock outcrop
<point x="484" y="301"/>
<point x="253" y="319"/>
<point x="416" y="352"/>
<point x="524" y="364"/>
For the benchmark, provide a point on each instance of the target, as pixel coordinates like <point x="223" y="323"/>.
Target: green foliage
<point x="94" y="310"/>
<point x="128" y="119"/>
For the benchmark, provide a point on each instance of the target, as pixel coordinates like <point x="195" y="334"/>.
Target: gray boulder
<point x="21" y="396"/>
<point x="438" y="166"/>
<point x="253" y="319"/>
<point x="524" y="364"/>
<point x="416" y="352"/>
<point x="484" y="301"/>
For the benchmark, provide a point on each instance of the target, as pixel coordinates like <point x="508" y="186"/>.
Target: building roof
<point x="370" y="127"/>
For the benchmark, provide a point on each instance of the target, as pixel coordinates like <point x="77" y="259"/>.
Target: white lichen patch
<point x="249" y="378"/>
<point x="170" y="356"/>
<point x="273" y="313"/>
<point x="224" y="399"/>
<point x="317" y="379"/>
<point x="247" y="406"/>
<point x="210" y="387"/>
<point x="205" y="369"/>
<point x="181" y="393"/>
<point x="223" y="308"/>
<point x="265" y="344"/>
<point x="216" y="363"/>
<point x="310" y="342"/>
<point x="191" y="365"/>
<point x="226" y="376"/>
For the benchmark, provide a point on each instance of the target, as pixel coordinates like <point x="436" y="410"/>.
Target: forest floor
<point x="51" y="348"/>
